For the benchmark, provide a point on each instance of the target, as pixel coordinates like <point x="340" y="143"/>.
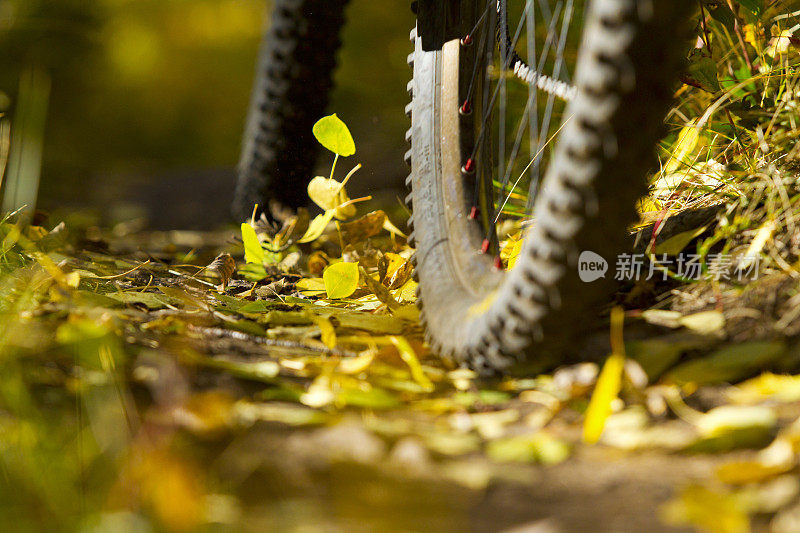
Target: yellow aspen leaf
<point x="391" y="228"/>
<point x="311" y="286"/>
<point x="763" y="236"/>
<point x="333" y="134"/>
<point x="253" y="252"/>
<point x="327" y="331"/>
<point x="408" y="292"/>
<point x="608" y="383"/>
<point x="684" y="147"/>
<point x="510" y="252"/>
<point x="707" y="510"/>
<point x="605" y="392"/>
<point x="408" y="355"/>
<point x="341" y="280"/>
<point x="330" y="194"/>
<point x="317" y="226"/>
<point x="358" y="364"/>
<point x="751" y="35"/>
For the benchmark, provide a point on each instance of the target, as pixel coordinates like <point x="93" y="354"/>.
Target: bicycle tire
<point x="532" y="317"/>
<point x="293" y="79"/>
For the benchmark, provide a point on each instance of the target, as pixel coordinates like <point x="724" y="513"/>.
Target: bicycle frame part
<point x="444" y="20"/>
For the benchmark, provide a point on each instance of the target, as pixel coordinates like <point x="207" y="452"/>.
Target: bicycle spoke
<point x="505" y="57"/>
<point x="548" y="114"/>
<point x="549" y="47"/>
<point x="532" y="91"/>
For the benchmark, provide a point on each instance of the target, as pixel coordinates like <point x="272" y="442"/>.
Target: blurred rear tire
<point x="293" y="80"/>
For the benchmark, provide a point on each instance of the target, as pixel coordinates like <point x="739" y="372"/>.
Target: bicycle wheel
<point x="293" y="80"/>
<point x="480" y="123"/>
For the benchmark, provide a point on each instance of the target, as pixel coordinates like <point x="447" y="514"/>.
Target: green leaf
<point x="341" y="280"/>
<point x="372" y="398"/>
<point x="733" y="427"/>
<point x="702" y="72"/>
<point x="333" y="134"/>
<point x="259" y="306"/>
<point x="151" y="300"/>
<point x="541" y="448"/>
<point x="657" y="355"/>
<point x="720" y="12"/>
<point x="728" y="418"/>
<point x="728" y="364"/>
<point x="754" y="6"/>
<point x="253" y="272"/>
<point x="253" y="252"/>
<point x="378" y="324"/>
<point x="675" y="244"/>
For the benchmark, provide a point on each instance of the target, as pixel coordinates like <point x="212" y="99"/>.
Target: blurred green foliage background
<point x="149" y="98"/>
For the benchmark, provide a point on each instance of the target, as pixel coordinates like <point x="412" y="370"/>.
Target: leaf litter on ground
<point x="316" y="332"/>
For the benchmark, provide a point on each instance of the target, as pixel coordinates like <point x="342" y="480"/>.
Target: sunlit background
<point x="137" y="107"/>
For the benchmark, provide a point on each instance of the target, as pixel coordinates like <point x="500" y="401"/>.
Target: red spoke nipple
<point x="467" y="40"/>
<point x="498" y="263"/>
<point x="473" y="213"/>
<point x="469" y="166"/>
<point x="466" y="108"/>
<point x="485" y="246"/>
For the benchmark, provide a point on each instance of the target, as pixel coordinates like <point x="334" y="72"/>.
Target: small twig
<point x="264" y="341"/>
<point x="735" y="130"/>
<point x="738" y="31"/>
<point x="125" y="273"/>
<point x="706" y="37"/>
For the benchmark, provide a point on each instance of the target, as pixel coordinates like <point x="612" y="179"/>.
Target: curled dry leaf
<point x="363" y="228"/>
<point x="400" y="276"/>
<point x="317" y="262"/>
<point x="379" y="290"/>
<point x="224" y="265"/>
<point x="330" y="194"/>
<point x="362" y="254"/>
<point x="294" y="227"/>
<point x="394" y="270"/>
